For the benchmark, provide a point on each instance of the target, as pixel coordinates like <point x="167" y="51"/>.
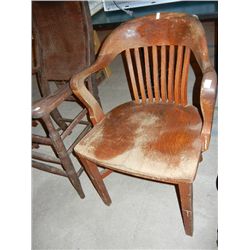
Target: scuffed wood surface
<point x="157" y="140"/>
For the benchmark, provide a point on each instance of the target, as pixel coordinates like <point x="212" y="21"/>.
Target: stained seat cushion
<point x="159" y="141"/>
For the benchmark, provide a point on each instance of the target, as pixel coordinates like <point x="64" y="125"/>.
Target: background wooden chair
<point x="41" y="111"/>
<point x="62" y="46"/>
<point x="63" y="39"/>
<point x="158" y="135"/>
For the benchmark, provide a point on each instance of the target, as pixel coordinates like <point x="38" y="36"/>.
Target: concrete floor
<point x="143" y="214"/>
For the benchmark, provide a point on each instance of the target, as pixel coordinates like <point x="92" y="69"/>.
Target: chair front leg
<point x="186" y="203"/>
<point x="96" y="179"/>
<point x="63" y="155"/>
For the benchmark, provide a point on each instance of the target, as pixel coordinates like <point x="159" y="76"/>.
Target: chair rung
<point x="35" y="145"/>
<point x="84" y="132"/>
<point x="45" y="157"/>
<point x="76" y="121"/>
<point x="41" y="140"/>
<point x="79" y="172"/>
<point x="47" y="168"/>
<point x="104" y="173"/>
<point x="71" y="120"/>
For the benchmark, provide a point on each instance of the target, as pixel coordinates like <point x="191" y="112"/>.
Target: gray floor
<point x="143" y="214"/>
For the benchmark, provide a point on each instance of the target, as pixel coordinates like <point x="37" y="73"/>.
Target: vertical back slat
<point x="132" y="75"/>
<point x="171" y="74"/>
<point x="177" y="83"/>
<point x="184" y="76"/>
<point x="140" y="77"/>
<point x="148" y="77"/>
<point x="163" y="74"/>
<point x="155" y="74"/>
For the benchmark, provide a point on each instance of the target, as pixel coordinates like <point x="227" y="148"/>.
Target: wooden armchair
<point x="158" y="135"/>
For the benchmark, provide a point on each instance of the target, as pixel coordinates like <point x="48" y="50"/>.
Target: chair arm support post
<point x="207" y="102"/>
<point x="78" y="87"/>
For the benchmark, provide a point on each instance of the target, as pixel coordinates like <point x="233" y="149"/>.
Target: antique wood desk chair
<point x="63" y="37"/>
<point x="158" y="135"/>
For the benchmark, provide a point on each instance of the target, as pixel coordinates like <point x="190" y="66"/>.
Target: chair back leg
<point x="186" y="204"/>
<point x="61" y="151"/>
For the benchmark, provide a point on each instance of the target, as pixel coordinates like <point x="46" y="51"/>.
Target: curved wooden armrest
<point x="207" y="101"/>
<point x="79" y="89"/>
<point x="47" y="104"/>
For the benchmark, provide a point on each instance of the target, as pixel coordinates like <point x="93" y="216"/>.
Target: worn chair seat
<point x="158" y="141"/>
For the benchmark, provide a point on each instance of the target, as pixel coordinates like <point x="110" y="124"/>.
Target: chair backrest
<point x="65" y="37"/>
<point x="157" y="49"/>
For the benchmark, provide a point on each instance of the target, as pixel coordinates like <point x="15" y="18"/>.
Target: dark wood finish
<point x="160" y="138"/>
<point x="62" y="46"/>
<point x="60" y="28"/>
<point x="76" y="121"/>
<point x="41" y="110"/>
<point x="51" y="102"/>
<point x="41" y="140"/>
<point x="47" y="168"/>
<point x="45" y="157"/>
<point x="62" y="154"/>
